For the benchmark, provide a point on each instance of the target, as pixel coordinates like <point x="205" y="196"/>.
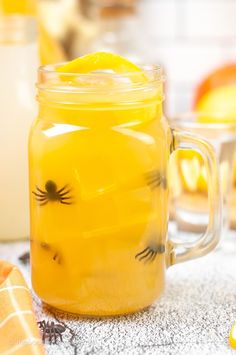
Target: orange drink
<point x="99" y="154"/>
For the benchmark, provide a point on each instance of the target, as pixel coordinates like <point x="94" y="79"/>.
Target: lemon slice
<point x="101" y="61"/>
<point x="202" y="181"/>
<point x="191" y="170"/>
<point x="232" y="337"/>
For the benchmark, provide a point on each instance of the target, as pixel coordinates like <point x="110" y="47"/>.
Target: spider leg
<point x="66" y="203"/>
<point x="41" y="324"/>
<point x="65" y="198"/>
<point x="152" y="177"/>
<point x="44" y="203"/>
<point x="39" y="195"/>
<point x="59" y="334"/>
<point x="54" y="335"/>
<point x="153" y="256"/>
<point x="50" y="327"/>
<point x="55" y="256"/>
<point x="42" y="192"/>
<point x="154" y="184"/>
<point x="44" y="335"/>
<point x="62" y="189"/>
<point x="139" y="254"/>
<point x="144" y="255"/>
<point x="50" y="336"/>
<point x="154" y="180"/>
<point x="41" y="199"/>
<point x="148" y="256"/>
<point x="45" y="246"/>
<point x="46" y="330"/>
<point x="64" y="193"/>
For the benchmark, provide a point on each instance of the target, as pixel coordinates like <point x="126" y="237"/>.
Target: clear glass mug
<point x="189" y="188"/>
<point x="99" y="153"/>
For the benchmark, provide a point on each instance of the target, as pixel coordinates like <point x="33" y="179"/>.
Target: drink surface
<point x="18" y="63"/>
<point x="99" y="202"/>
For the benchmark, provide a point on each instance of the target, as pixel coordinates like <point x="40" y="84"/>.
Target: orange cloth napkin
<point x="19" y="333"/>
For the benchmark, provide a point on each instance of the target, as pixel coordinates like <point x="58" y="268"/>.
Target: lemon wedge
<point x="232" y="337"/>
<point x="194" y="174"/>
<point x="100" y="61"/>
<point x="191" y="170"/>
<point x="202" y="180"/>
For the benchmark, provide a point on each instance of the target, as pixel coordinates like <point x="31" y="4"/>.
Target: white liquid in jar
<point x="18" y="67"/>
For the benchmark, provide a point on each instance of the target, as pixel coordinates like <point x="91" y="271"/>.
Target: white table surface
<point x="194" y="316"/>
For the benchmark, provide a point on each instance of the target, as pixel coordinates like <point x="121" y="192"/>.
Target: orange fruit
<point x="225" y="75"/>
<point x="218" y="105"/>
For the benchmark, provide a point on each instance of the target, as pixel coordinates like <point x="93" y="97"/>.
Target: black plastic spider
<point x="25" y="258"/>
<point x="155" y="179"/>
<point x="149" y="254"/>
<point x="52" y="194"/>
<point x="56" y="256"/>
<point x="51" y="330"/>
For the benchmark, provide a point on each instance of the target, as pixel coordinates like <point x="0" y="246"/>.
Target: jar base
<point x="63" y="311"/>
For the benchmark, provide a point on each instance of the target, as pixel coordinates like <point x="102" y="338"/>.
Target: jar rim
<point x="147" y="69"/>
<point x="49" y="79"/>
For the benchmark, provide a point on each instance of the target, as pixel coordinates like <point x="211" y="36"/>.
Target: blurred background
<point x="189" y="38"/>
<point x="193" y="40"/>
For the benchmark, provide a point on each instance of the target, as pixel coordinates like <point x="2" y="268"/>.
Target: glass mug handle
<point x="183" y="251"/>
